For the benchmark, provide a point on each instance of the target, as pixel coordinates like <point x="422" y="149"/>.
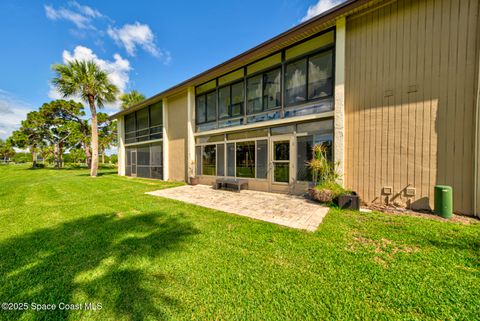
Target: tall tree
<point x="86" y="80"/>
<point x="30" y="135"/>
<point x="131" y="98"/>
<point x="59" y="118"/>
<point x="6" y="150"/>
<point x="107" y="133"/>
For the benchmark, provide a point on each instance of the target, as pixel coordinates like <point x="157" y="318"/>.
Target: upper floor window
<point x="263" y="91"/>
<point x="206" y="107"/>
<point x="309" y="78"/>
<point x="230" y="100"/>
<point x="301" y="74"/>
<point x="144" y="124"/>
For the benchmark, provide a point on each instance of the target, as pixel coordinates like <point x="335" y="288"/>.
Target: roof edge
<point x="325" y="16"/>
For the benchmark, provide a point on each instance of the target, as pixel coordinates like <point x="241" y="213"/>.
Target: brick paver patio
<point x="288" y="210"/>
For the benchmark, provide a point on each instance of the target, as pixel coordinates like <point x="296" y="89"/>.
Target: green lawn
<point x="66" y="237"/>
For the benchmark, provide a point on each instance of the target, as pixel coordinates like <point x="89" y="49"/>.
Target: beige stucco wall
<point x="177" y="137"/>
<point x="410" y="101"/>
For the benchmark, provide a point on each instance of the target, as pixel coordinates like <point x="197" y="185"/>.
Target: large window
<point x="206" y="108"/>
<point x="245" y="159"/>
<point x="230" y="101"/>
<point x="309" y="78"/>
<point x="295" y="81"/>
<point x="311" y="134"/>
<point x="144" y="124"/>
<point x="145" y="161"/>
<point x="209" y="160"/>
<point x="263" y="92"/>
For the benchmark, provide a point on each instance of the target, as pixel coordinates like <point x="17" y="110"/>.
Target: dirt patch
<point x="390" y="209"/>
<point x="385" y="250"/>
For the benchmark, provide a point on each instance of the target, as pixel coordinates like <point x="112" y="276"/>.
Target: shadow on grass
<point x="101" y="173"/>
<point x="104" y="258"/>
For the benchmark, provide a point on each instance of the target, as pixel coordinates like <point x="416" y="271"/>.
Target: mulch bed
<point x="390" y="209"/>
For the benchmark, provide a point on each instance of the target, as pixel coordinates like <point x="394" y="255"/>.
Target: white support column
<point x="190" y="132"/>
<point x="121" y="145"/>
<point x="165" y="138"/>
<point x="339" y="113"/>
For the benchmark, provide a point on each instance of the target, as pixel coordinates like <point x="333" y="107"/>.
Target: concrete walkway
<point x="287" y="210"/>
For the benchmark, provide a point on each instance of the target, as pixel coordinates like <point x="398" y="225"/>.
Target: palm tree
<point x="86" y="80"/>
<point x="131" y="98"/>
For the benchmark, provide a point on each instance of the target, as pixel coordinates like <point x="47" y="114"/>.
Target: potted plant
<point x="193" y="180"/>
<point x="325" y="187"/>
<point x="349" y="200"/>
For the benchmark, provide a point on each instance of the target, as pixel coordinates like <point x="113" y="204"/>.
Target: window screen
<point x="262" y="158"/>
<point x="320" y="78"/>
<point x="296" y="82"/>
<point x="209" y="160"/>
<point x="271" y="89"/>
<point x="221" y="160"/>
<point x="254" y="95"/>
<point x="245" y="159"/>
<point x="198" y="159"/>
<point x="231" y="159"/>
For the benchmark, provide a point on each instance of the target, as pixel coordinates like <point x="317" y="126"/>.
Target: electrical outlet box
<point x="387" y="190"/>
<point x="410" y="191"/>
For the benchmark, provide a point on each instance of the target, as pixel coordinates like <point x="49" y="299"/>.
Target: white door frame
<point x="281" y="186"/>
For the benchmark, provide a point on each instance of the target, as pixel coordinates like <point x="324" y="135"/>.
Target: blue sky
<point x="146" y="45"/>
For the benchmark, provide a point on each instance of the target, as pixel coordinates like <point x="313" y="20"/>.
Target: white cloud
<point x="320" y="7"/>
<point x="86" y="10"/>
<point x="12" y="112"/>
<point x="81" y="16"/>
<point x="118" y="69"/>
<point x="131" y="36"/>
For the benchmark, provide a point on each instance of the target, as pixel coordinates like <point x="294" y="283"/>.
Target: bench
<point x="224" y="182"/>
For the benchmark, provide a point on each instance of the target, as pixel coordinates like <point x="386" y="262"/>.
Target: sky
<point x="145" y="45"/>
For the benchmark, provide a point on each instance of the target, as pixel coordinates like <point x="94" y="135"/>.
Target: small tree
<point x="131" y="98"/>
<point x="87" y="80"/>
<point x="58" y="119"/>
<point x="6" y="150"/>
<point x="30" y="135"/>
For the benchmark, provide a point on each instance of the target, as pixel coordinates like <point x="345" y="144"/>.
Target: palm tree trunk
<point x="88" y="156"/>
<point x="93" y="111"/>
<point x="60" y="154"/>
<point x="103" y="155"/>
<point x="55" y="155"/>
<point x="34" y="157"/>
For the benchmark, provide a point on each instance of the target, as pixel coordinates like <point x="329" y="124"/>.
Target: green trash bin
<point x="443" y="201"/>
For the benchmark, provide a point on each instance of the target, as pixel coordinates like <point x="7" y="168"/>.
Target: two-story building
<point x="390" y="87"/>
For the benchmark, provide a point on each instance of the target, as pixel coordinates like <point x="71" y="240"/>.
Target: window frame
<point x="307" y="56"/>
<point x="152" y="130"/>
<point x="230" y="105"/>
<point x="205" y="94"/>
<point x="262" y="74"/>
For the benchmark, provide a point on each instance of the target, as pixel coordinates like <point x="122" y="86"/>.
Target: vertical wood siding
<point x="410" y="99"/>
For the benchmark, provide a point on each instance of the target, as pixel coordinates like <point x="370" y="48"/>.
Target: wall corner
<point x="121" y="145"/>
<point x="165" y="138"/>
<point x="190" y="132"/>
<point x="339" y="112"/>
